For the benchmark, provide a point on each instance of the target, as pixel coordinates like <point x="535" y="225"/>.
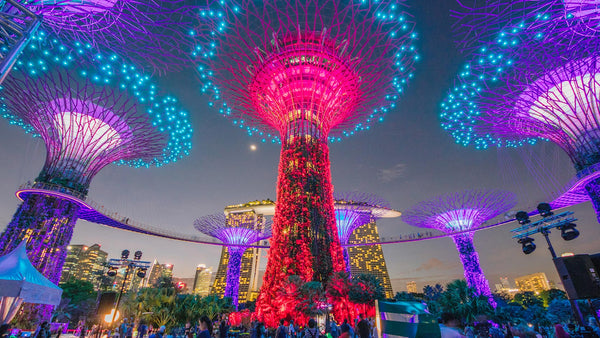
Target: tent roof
<point x="19" y="278"/>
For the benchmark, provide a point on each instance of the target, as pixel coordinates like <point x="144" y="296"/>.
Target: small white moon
<point x="253" y="147"/>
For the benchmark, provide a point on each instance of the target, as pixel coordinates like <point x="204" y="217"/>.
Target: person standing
<point x="142" y="329"/>
<point x="205" y="327"/>
<point x="312" y="331"/>
<point x="363" y="327"/>
<point x="281" y="330"/>
<point x="123" y="329"/>
<point x="291" y="330"/>
<point x="223" y="327"/>
<point x="333" y="329"/>
<point x="189" y="330"/>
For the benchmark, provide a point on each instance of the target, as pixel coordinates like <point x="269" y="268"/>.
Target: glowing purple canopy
<point x="148" y="32"/>
<point x="354" y="209"/>
<point x="216" y="225"/>
<point x="463" y="211"/>
<point x="533" y="73"/>
<point x="236" y="239"/>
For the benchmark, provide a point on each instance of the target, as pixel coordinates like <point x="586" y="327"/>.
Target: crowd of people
<point x="450" y="327"/>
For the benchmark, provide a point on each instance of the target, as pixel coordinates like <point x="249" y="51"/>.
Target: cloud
<point x="432" y="263"/>
<point x="390" y="174"/>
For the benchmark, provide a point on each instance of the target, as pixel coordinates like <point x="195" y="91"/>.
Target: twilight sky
<point x="406" y="159"/>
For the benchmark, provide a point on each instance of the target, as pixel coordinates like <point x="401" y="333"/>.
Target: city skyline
<point x="223" y="170"/>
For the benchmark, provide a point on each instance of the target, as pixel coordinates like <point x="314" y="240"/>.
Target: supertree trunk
<point x="46" y="223"/>
<point x="305" y="240"/>
<point x="470" y="261"/>
<point x="347" y="261"/>
<point x="232" y="285"/>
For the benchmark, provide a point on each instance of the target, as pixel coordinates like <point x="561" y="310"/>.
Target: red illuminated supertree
<point x="302" y="73"/>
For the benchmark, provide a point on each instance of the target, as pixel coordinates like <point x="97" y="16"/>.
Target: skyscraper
<point x="369" y="258"/>
<point x="84" y="263"/>
<point x="202" y="279"/>
<point x="411" y="287"/>
<point x="157" y="271"/>
<point x="535" y="282"/>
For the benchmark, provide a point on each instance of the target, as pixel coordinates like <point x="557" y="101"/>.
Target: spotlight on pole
<point x="568" y="231"/>
<point x="522" y="217"/>
<point x="528" y="245"/>
<point x="141" y="272"/>
<point x="125" y="254"/>
<point x="545" y="209"/>
<point x="137" y="255"/>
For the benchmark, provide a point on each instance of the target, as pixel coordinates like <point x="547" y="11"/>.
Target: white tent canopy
<point x="20" y="282"/>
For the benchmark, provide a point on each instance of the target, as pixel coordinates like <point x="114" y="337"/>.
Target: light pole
<point x="562" y="221"/>
<point x="130" y="265"/>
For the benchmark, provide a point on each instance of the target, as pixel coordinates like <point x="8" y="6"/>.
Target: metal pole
<point x="121" y="292"/>
<point x="545" y="232"/>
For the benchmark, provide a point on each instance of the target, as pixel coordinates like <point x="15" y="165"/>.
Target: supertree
<point x="88" y="117"/>
<point x="147" y="32"/>
<point x="355" y="209"/>
<point x="533" y="74"/>
<point x="462" y="213"/>
<point x="237" y="240"/>
<point x="302" y="73"/>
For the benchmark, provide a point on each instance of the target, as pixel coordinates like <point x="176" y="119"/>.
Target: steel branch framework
<point x="237" y="240"/>
<point x="89" y="118"/>
<point x="460" y="211"/>
<point x="535" y="76"/>
<point x="150" y="33"/>
<point x="353" y="210"/>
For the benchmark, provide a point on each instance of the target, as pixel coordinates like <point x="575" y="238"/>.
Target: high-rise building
<point x="157" y="271"/>
<point x="84" y="263"/>
<point x="505" y="282"/>
<point x="369" y="259"/>
<point x="411" y="287"/>
<point x="202" y="279"/>
<point x="536" y="282"/>
<point x="249" y="215"/>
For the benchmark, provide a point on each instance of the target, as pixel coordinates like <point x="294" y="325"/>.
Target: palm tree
<point x="464" y="301"/>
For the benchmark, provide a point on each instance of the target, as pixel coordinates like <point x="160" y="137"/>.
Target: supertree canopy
<point x="462" y="213"/>
<point x="302" y="73"/>
<point x="355" y="209"/>
<point x="532" y="75"/>
<point x="88" y="117"/>
<point x="237" y="240"/>
<point x="148" y="32"/>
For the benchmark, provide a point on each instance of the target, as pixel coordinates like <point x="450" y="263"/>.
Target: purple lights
<point x="148" y="32"/>
<point x="236" y="237"/>
<point x="102" y="113"/>
<point x="459" y="212"/>
<point x="354" y="209"/>
<point x="534" y="74"/>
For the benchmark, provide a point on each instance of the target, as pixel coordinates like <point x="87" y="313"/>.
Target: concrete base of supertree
<point x="46" y="223"/>
<point x="232" y="285"/>
<point x="305" y="240"/>
<point x="470" y="261"/>
<point x="593" y="190"/>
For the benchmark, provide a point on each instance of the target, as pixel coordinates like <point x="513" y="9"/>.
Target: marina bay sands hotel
<point x="363" y="259"/>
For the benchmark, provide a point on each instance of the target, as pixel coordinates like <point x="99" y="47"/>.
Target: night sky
<point x="406" y="159"/>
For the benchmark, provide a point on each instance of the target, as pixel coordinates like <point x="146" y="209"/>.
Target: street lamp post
<point x="130" y="264"/>
<point x="562" y="221"/>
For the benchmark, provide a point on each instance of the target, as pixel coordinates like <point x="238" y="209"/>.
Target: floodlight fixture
<point x="528" y="245"/>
